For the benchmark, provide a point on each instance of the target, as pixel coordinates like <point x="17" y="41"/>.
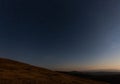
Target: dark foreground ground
<point x="109" y="77"/>
<point x="14" y="72"/>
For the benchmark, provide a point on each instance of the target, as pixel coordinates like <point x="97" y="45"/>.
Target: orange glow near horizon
<point x="90" y="68"/>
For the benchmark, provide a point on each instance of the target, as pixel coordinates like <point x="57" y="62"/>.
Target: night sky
<point x="61" y="34"/>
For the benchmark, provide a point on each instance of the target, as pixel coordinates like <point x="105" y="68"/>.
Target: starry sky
<point x="61" y="34"/>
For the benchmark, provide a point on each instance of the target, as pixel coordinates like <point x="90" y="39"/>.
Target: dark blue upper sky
<point x="61" y="34"/>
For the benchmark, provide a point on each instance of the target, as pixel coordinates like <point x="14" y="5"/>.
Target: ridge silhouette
<point x="14" y="72"/>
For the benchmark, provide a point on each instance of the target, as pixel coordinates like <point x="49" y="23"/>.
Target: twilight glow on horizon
<point x="61" y="34"/>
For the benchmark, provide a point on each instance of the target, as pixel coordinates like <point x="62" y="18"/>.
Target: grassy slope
<point x="13" y="72"/>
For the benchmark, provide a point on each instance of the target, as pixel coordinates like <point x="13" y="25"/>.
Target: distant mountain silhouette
<point x="13" y="72"/>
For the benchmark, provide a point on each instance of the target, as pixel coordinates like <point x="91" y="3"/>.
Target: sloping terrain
<point x="13" y="72"/>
